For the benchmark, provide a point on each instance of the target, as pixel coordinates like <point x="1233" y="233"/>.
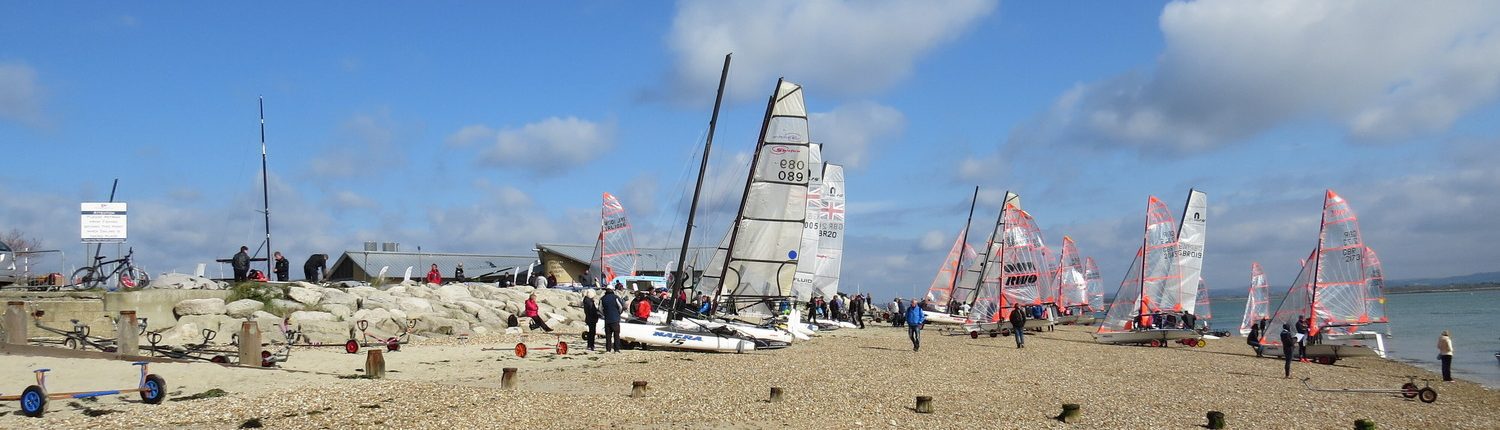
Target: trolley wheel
<point x="155" y="390"/>
<point x="1427" y="395"/>
<point x="33" y="401"/>
<point x="1409" y="390"/>
<point x="219" y="359"/>
<point x="521" y="350"/>
<point x="1202" y="343"/>
<point x="265" y="359"/>
<point x="994" y="333"/>
<point x="393" y="344"/>
<point x="973" y="334"/>
<point x="1155" y="343"/>
<point x="351" y="346"/>
<point x="562" y="348"/>
<point x="73" y="343"/>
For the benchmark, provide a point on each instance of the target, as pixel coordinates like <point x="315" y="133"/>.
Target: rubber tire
<point x="84" y="278"/>
<point x="562" y="348"/>
<point x="1409" y="390"/>
<point x="994" y="334"/>
<point x="521" y="350"/>
<point x="156" y="390"/>
<point x="1155" y="343"/>
<point x="1202" y="343"/>
<point x="392" y="345"/>
<point x="351" y="347"/>
<point x="973" y="335"/>
<point x="72" y="343"/>
<point x="33" y="401"/>
<point x="219" y="359"/>
<point x="1427" y="395"/>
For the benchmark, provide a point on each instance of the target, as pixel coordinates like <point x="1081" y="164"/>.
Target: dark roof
<point x="475" y="265"/>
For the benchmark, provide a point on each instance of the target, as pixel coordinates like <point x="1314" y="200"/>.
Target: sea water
<point x="1472" y="319"/>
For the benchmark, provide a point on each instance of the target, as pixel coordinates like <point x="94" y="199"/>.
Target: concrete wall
<point x="97" y="310"/>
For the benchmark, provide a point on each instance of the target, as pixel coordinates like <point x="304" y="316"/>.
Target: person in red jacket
<point x="532" y="311"/>
<point x="434" y="276"/>
<point x="643" y="310"/>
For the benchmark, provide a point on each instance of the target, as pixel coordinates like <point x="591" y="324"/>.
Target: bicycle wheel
<point x="85" y="278"/>
<point x="132" y="278"/>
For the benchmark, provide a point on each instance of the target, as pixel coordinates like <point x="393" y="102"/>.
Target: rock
<point x="362" y="291"/>
<point x="341" y="311"/>
<point x="301" y="317"/>
<point x="264" y="314"/>
<point x="304" y="284"/>
<point x="377" y="302"/>
<point x="306" y="296"/>
<point x="214" y="306"/>
<point x="181" y="281"/>
<point x="479" y="330"/>
<point x="325" y="332"/>
<point x="410" y="304"/>
<point x="421" y="292"/>
<point x="483" y="314"/>
<point x="399" y="315"/>
<point x="399" y="290"/>
<point x="243" y="308"/>
<point x="453" y="293"/>
<point x="336" y="297"/>
<point x="189" y="329"/>
<point x="440" y="325"/>
<point x="287" y="306"/>
<point x="351" y="284"/>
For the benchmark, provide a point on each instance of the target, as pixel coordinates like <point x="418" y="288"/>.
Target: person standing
<point x="1288" y="349"/>
<point x="1302" y="330"/>
<point x="897" y="317"/>
<point x="857" y="308"/>
<point x="915" y="318"/>
<point x="458" y="273"/>
<point x="436" y="277"/>
<point x="315" y="268"/>
<point x="590" y="317"/>
<point x="1445" y="354"/>
<point x="812" y="310"/>
<point x="532" y="311"/>
<point x="241" y="264"/>
<point x="609" y="309"/>
<point x="283" y="268"/>
<point x="1018" y="325"/>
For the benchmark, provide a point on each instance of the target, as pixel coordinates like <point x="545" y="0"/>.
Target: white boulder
<point x="213" y="306"/>
<point x="306" y="296"/>
<point x="243" y="308"/>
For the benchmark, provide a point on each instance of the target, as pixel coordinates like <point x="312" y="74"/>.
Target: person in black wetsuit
<point x="316" y="268"/>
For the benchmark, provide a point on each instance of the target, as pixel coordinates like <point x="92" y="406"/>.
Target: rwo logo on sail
<point x="677" y="336"/>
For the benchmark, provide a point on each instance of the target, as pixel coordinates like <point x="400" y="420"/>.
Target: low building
<point x="366" y="266"/>
<point x="569" y="263"/>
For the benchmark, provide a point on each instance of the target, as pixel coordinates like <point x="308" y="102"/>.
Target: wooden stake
<point x="508" y="378"/>
<point x="924" y="404"/>
<point x="250" y="344"/>
<point x="638" y="389"/>
<point x="15" y="323"/>
<point x="1071" y="413"/>
<point x="375" y="364"/>
<point x="775" y="394"/>
<point x="125" y="334"/>
<point x="1215" y="420"/>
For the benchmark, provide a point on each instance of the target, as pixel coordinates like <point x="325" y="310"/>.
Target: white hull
<point x="1076" y="319"/>
<point x="944" y="319"/>
<point x="669" y="338"/>
<point x="1357" y="344"/>
<point x="747" y="330"/>
<point x="1145" y="336"/>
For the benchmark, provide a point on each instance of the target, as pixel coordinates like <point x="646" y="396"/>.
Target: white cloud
<point x="549" y="146"/>
<point x="1234" y="69"/>
<point x="843" y="47"/>
<point x="850" y="133"/>
<point x="933" y="240"/>
<point x="21" y="96"/>
<point x="366" y="145"/>
<point x="346" y="199"/>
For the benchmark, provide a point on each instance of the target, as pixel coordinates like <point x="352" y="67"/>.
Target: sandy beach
<point x="843" y="379"/>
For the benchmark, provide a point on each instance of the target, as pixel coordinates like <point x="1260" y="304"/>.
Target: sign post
<point x="102" y="222"/>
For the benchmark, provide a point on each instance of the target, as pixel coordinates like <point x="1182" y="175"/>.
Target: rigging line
<point x="684" y="190"/>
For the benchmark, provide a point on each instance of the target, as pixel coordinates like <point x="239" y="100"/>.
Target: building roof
<point x="651" y="259"/>
<point x="475" y="265"/>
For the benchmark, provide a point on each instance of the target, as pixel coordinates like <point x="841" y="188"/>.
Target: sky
<point x="489" y="127"/>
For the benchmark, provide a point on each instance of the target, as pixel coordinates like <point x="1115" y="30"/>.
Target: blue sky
<point x="489" y="127"/>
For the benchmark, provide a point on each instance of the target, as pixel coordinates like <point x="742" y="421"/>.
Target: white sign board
<point x="102" y="223"/>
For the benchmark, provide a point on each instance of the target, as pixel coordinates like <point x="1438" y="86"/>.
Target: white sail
<point x="1151" y="284"/>
<point x="831" y="232"/>
<point x="761" y="254"/>
<point x="969" y="281"/>
<point x="614" y="254"/>
<point x="1191" y="236"/>
<point x="983" y="280"/>
<point x="802" y="283"/>
<point x="1072" y="285"/>
<point x="1258" y="301"/>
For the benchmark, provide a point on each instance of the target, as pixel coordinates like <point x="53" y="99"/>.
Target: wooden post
<point x="638" y="389"/>
<point x="924" y="404"/>
<point x="249" y="344"/>
<point x="1215" y="420"/>
<point x="15" y="323"/>
<point x="126" y="338"/>
<point x="508" y="378"/>
<point x="374" y="364"/>
<point x="1071" y="413"/>
<point x="1364" y="425"/>
<point x="775" y="394"/>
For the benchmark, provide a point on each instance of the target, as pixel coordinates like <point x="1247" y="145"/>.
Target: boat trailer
<point x="34" y="398"/>
<point x="1408" y="390"/>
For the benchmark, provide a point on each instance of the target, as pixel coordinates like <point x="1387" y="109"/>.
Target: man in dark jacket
<point x="1302" y="324"/>
<point x="1288" y="348"/>
<point x="1018" y="325"/>
<point x="857" y="310"/>
<point x="1253" y="339"/>
<point x="609" y="308"/>
<point x="915" y="318"/>
<point x="316" y="268"/>
<point x="283" y="268"/>
<point x="241" y="264"/>
<point x="590" y="317"/>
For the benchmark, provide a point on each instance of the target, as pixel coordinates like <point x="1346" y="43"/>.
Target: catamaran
<point x="1153" y="295"/>
<point x="1338" y="292"/>
<point x="1258" y="302"/>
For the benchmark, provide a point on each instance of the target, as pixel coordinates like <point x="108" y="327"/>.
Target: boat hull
<point x="1162" y="336"/>
<point x="666" y="337"/>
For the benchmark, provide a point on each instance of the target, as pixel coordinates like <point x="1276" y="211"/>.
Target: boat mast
<point x="1145" y="251"/>
<point x="687" y="235"/>
<point x="984" y="261"/>
<point x="265" y="188"/>
<point x="965" y="241"/>
<point x="1312" y="300"/>
<point x="739" y="215"/>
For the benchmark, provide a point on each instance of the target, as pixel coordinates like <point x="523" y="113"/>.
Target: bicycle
<point x="124" y="274"/>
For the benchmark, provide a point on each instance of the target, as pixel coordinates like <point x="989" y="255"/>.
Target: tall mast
<point x="1145" y="250"/>
<point x="984" y="261"/>
<point x="264" y="187"/>
<point x="749" y="176"/>
<point x="687" y="235"/>
<point x="1312" y="299"/>
<point x="965" y="240"/>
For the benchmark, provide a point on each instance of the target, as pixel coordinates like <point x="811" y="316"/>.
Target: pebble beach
<point x="846" y="378"/>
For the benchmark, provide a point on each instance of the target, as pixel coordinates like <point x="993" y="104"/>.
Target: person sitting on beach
<point x="1288" y="348"/>
<point x="642" y="310"/>
<point x="1253" y="339"/>
<point x="434" y="276"/>
<point x="532" y="311"/>
<point x="1018" y="325"/>
<point x="458" y="273"/>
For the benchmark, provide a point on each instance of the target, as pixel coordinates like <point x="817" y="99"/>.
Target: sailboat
<point x="1334" y="290"/>
<point x="830" y="220"/>
<point x="806" y="275"/>
<point x="752" y="272"/>
<point x="1095" y="286"/>
<point x="978" y="287"/>
<point x="1072" y="286"/>
<point x="1205" y="305"/>
<point x="1152" y="296"/>
<point x="941" y="293"/>
<point x="1024" y="269"/>
<point x="614" y="253"/>
<point x="1258" y="302"/>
